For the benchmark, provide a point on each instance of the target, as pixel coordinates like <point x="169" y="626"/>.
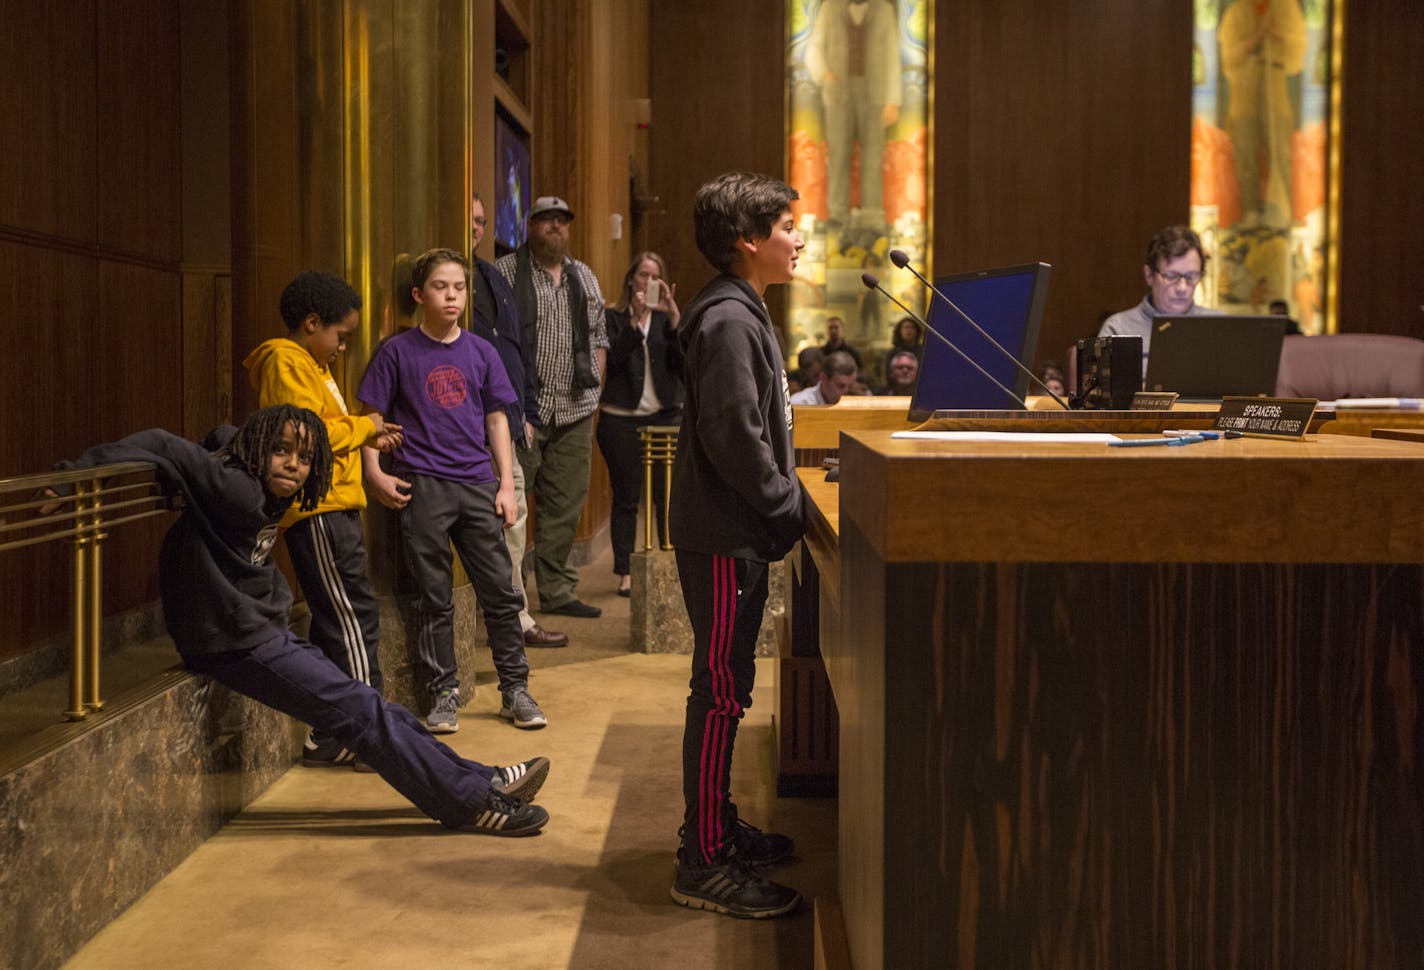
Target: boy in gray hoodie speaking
<point x="736" y="507"/>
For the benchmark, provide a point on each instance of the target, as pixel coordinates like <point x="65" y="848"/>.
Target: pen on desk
<point x="1208" y="435"/>
<point x="1188" y="439"/>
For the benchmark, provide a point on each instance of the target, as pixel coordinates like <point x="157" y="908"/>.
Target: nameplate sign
<point x="1267" y="417"/>
<point x="1153" y="400"/>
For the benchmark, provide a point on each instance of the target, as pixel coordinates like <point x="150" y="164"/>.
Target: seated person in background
<point x="1052" y="376"/>
<point x="837" y="378"/>
<point x="1280" y="308"/>
<point x="1172" y="269"/>
<point x="835" y="340"/>
<point x="808" y="368"/>
<point x="864" y="384"/>
<point x="907" y="337"/>
<point x="903" y="373"/>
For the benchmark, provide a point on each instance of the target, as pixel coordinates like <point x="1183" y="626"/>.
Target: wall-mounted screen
<point x="511" y="204"/>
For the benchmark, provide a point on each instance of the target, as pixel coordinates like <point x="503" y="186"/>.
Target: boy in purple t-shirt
<point x="448" y="389"/>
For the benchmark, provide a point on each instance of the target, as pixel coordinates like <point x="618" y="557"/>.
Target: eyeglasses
<point x="480" y="221"/>
<point x="1172" y="279"/>
<point x="558" y="218"/>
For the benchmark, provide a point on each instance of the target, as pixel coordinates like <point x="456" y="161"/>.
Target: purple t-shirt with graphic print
<point x="439" y="393"/>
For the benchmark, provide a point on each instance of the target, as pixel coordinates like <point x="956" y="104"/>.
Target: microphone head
<point x="898" y="257"/>
<point x="871" y="281"/>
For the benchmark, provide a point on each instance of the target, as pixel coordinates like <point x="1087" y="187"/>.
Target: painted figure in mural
<point x="854" y="56"/>
<point x="1262" y="44"/>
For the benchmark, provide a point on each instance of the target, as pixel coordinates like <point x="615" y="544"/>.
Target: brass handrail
<point x="659" y="444"/>
<point x="94" y="506"/>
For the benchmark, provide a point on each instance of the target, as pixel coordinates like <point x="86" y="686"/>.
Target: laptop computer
<point x="1206" y="358"/>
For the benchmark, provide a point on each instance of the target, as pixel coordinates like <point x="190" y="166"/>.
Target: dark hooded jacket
<point x="734" y="487"/>
<point x="221" y="590"/>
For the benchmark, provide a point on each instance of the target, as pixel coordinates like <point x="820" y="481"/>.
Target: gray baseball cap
<point x="549" y="203"/>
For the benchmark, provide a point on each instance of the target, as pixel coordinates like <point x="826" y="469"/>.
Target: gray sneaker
<point x="520" y="708"/>
<point x="444" y="717"/>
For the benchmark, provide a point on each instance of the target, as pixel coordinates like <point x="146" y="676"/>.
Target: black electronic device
<point x="1210" y="356"/>
<point x="1109" y="373"/>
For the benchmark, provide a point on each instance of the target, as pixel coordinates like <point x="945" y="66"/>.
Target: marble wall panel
<point x="659" y="618"/>
<point x="400" y="633"/>
<point x="87" y="827"/>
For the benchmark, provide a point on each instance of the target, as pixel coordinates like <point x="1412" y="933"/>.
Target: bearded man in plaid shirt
<point x="561" y="310"/>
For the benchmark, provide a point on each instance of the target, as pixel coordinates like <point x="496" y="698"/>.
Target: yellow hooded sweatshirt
<point x="283" y="372"/>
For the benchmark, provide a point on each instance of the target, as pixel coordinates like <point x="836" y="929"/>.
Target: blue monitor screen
<point x="1008" y="305"/>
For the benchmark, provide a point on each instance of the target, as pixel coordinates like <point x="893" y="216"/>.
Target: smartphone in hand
<point x="654" y="293"/>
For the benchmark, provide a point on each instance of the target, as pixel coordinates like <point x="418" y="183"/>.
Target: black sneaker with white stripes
<point x="503" y="815"/>
<point x="326" y="752"/>
<point x="521" y="781"/>
<point x="733" y="888"/>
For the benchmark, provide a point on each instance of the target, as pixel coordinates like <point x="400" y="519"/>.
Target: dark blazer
<point x="515" y="353"/>
<point x="624" y="385"/>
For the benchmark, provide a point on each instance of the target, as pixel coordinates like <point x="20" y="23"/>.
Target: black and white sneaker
<point x="503" y="815"/>
<point x="733" y="888"/>
<point x="326" y="752"/>
<point x="521" y="781"/>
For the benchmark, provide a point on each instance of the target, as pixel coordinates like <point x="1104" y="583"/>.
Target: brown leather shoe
<point x="537" y="636"/>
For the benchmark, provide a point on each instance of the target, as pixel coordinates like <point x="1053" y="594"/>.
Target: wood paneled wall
<point x="1062" y="135"/>
<point x="591" y="65"/>
<point x="590" y="68"/>
<point x="90" y="243"/>
<point x="718" y="105"/>
<point x="1381" y="231"/>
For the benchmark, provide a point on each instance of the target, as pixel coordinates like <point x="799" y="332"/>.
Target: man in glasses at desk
<point x="1172" y="270"/>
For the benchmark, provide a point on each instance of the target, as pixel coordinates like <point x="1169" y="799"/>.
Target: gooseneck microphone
<point x="901" y="261"/>
<point x="872" y="282"/>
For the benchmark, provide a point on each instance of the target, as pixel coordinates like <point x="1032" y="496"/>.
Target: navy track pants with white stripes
<point x="329" y="557"/>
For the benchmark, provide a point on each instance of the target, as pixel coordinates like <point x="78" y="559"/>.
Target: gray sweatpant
<point x="441" y="514"/>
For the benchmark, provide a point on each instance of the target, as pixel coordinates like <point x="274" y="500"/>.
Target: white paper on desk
<point x="1068" y="437"/>
<point x="1381" y="403"/>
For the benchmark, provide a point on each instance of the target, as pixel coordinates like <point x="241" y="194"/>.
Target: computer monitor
<point x="1007" y="304"/>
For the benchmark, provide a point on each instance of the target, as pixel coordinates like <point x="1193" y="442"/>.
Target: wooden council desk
<point x="1127" y="708"/>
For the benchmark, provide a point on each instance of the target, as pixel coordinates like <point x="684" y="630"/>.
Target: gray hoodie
<point x="734" y="487"/>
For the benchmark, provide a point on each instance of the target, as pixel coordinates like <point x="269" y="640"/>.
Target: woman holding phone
<point x="643" y="387"/>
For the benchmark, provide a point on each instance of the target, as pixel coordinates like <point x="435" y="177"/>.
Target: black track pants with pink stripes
<point x="725" y="598"/>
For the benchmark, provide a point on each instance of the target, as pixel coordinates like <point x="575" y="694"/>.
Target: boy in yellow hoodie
<point x="328" y="553"/>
